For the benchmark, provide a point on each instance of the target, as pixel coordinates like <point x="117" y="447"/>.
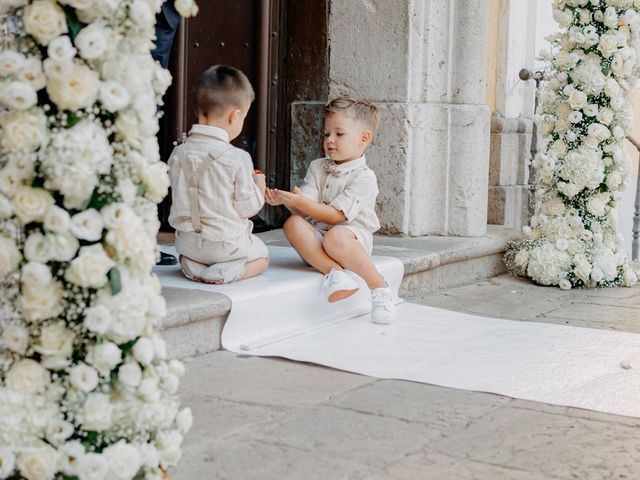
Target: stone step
<point x="195" y="318"/>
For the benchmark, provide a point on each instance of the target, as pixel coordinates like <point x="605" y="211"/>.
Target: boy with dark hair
<point x="214" y="187"/>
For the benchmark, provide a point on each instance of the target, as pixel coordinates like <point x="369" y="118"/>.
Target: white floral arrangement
<point x="86" y="389"/>
<point x="583" y="116"/>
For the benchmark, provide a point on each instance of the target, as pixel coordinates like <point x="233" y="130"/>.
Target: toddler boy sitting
<point x="214" y="188"/>
<point x="335" y="218"/>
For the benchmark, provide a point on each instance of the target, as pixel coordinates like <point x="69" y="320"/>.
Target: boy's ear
<point x="366" y="136"/>
<point x="233" y="115"/>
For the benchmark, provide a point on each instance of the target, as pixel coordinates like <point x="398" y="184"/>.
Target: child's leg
<point x="341" y="244"/>
<point x="255" y="268"/>
<point x="302" y="236"/>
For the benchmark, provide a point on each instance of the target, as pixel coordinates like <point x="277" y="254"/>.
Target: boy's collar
<point x="209" y="131"/>
<point x="341" y="168"/>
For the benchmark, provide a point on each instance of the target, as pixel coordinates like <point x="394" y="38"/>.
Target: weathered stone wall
<point x="423" y="63"/>
<point x="509" y="171"/>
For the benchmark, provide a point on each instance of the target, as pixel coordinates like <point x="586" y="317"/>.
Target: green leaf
<point x="114" y="280"/>
<point x="141" y="190"/>
<point x="72" y="119"/>
<point x="126" y="347"/>
<point x="90" y="439"/>
<point x="74" y="24"/>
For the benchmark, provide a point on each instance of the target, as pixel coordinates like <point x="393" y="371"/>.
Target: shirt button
<point x="326" y="186"/>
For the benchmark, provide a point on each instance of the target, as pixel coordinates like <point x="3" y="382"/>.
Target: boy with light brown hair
<point x="215" y="189"/>
<point x="334" y="210"/>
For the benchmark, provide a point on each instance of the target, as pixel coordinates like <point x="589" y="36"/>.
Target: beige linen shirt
<point x="351" y="187"/>
<point x="227" y="194"/>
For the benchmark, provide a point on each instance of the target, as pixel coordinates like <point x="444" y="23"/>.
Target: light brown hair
<point x="222" y="87"/>
<point x="359" y="109"/>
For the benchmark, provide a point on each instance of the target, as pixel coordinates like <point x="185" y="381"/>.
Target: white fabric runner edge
<point x="280" y="313"/>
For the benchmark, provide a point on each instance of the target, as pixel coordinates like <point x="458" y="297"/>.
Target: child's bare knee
<point x="293" y="225"/>
<point x="337" y="240"/>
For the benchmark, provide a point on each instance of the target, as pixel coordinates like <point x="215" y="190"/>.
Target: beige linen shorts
<point x="363" y="236"/>
<point x="194" y="246"/>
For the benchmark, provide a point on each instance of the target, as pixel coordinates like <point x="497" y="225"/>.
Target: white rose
<point x="92" y="466"/>
<point x="124" y="461"/>
<point x="575" y="117"/>
<point x="11" y="62"/>
<point x="7" y="462"/>
<point x="608" y="44"/>
<point x="61" y="49"/>
<point x="23" y="131"/>
<point x="31" y="204"/>
<point x="33" y="74"/>
<point x="36" y="274"/>
<point x="155" y="178"/>
<point x="57" y="219"/>
<point x="28" y="377"/>
<point x="149" y="456"/>
<point x="20" y="95"/>
<point x="59" y="430"/>
<point x="16" y="338"/>
<point x="57" y="68"/>
<point x="186" y="8"/>
<point x="113" y="96"/>
<point x="44" y="20"/>
<point x="522" y="258"/>
<point x="184" y="421"/>
<point x="41" y="301"/>
<point x="93" y="41"/>
<point x="565" y="284"/>
<point x="39" y="463"/>
<point x="170" y="383"/>
<point x="55" y="340"/>
<point x="143" y="351"/>
<point x="596" y="274"/>
<point x="89" y="269"/>
<point x="148" y="389"/>
<point x="87" y="225"/>
<point x="98" y="319"/>
<point x="62" y="246"/>
<point x="130" y="374"/>
<point x="577" y="99"/>
<point x="168" y="446"/>
<point x="605" y="116"/>
<point x="596" y="205"/>
<point x="105" y="356"/>
<point x="591" y="110"/>
<point x="10" y="256"/>
<point x="83" y="377"/>
<point x="70" y="455"/>
<point x="117" y="215"/>
<point x="76" y="90"/>
<point x="96" y="412"/>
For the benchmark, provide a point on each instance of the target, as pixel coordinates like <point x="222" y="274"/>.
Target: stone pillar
<point x="423" y="63"/>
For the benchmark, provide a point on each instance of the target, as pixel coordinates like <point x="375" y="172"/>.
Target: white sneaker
<point x="338" y="285"/>
<point x="382" y="307"/>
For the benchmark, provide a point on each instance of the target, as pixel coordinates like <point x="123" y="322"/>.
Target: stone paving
<point x="269" y="419"/>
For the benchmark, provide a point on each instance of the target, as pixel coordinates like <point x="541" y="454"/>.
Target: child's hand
<point x="270" y="197"/>
<point x="280" y="197"/>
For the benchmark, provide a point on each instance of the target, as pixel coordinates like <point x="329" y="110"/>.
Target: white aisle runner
<point x="280" y="314"/>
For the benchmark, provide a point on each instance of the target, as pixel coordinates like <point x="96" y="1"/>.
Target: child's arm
<point x="306" y="207"/>
<point x="248" y="189"/>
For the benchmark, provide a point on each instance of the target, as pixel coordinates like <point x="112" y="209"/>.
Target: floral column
<point x="584" y="115"/>
<point x="86" y="391"/>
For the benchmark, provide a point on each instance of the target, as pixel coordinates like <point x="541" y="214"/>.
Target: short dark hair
<point x="359" y="109"/>
<point x="221" y="87"/>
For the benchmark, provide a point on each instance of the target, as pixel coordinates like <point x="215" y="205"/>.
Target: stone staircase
<point x="195" y="318"/>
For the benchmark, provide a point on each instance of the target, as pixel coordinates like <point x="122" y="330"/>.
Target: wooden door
<point x="245" y="35"/>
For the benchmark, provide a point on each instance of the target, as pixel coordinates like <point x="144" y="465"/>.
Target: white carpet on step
<point x="280" y="314"/>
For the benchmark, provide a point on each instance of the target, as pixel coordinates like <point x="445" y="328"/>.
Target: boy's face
<point x="344" y="137"/>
